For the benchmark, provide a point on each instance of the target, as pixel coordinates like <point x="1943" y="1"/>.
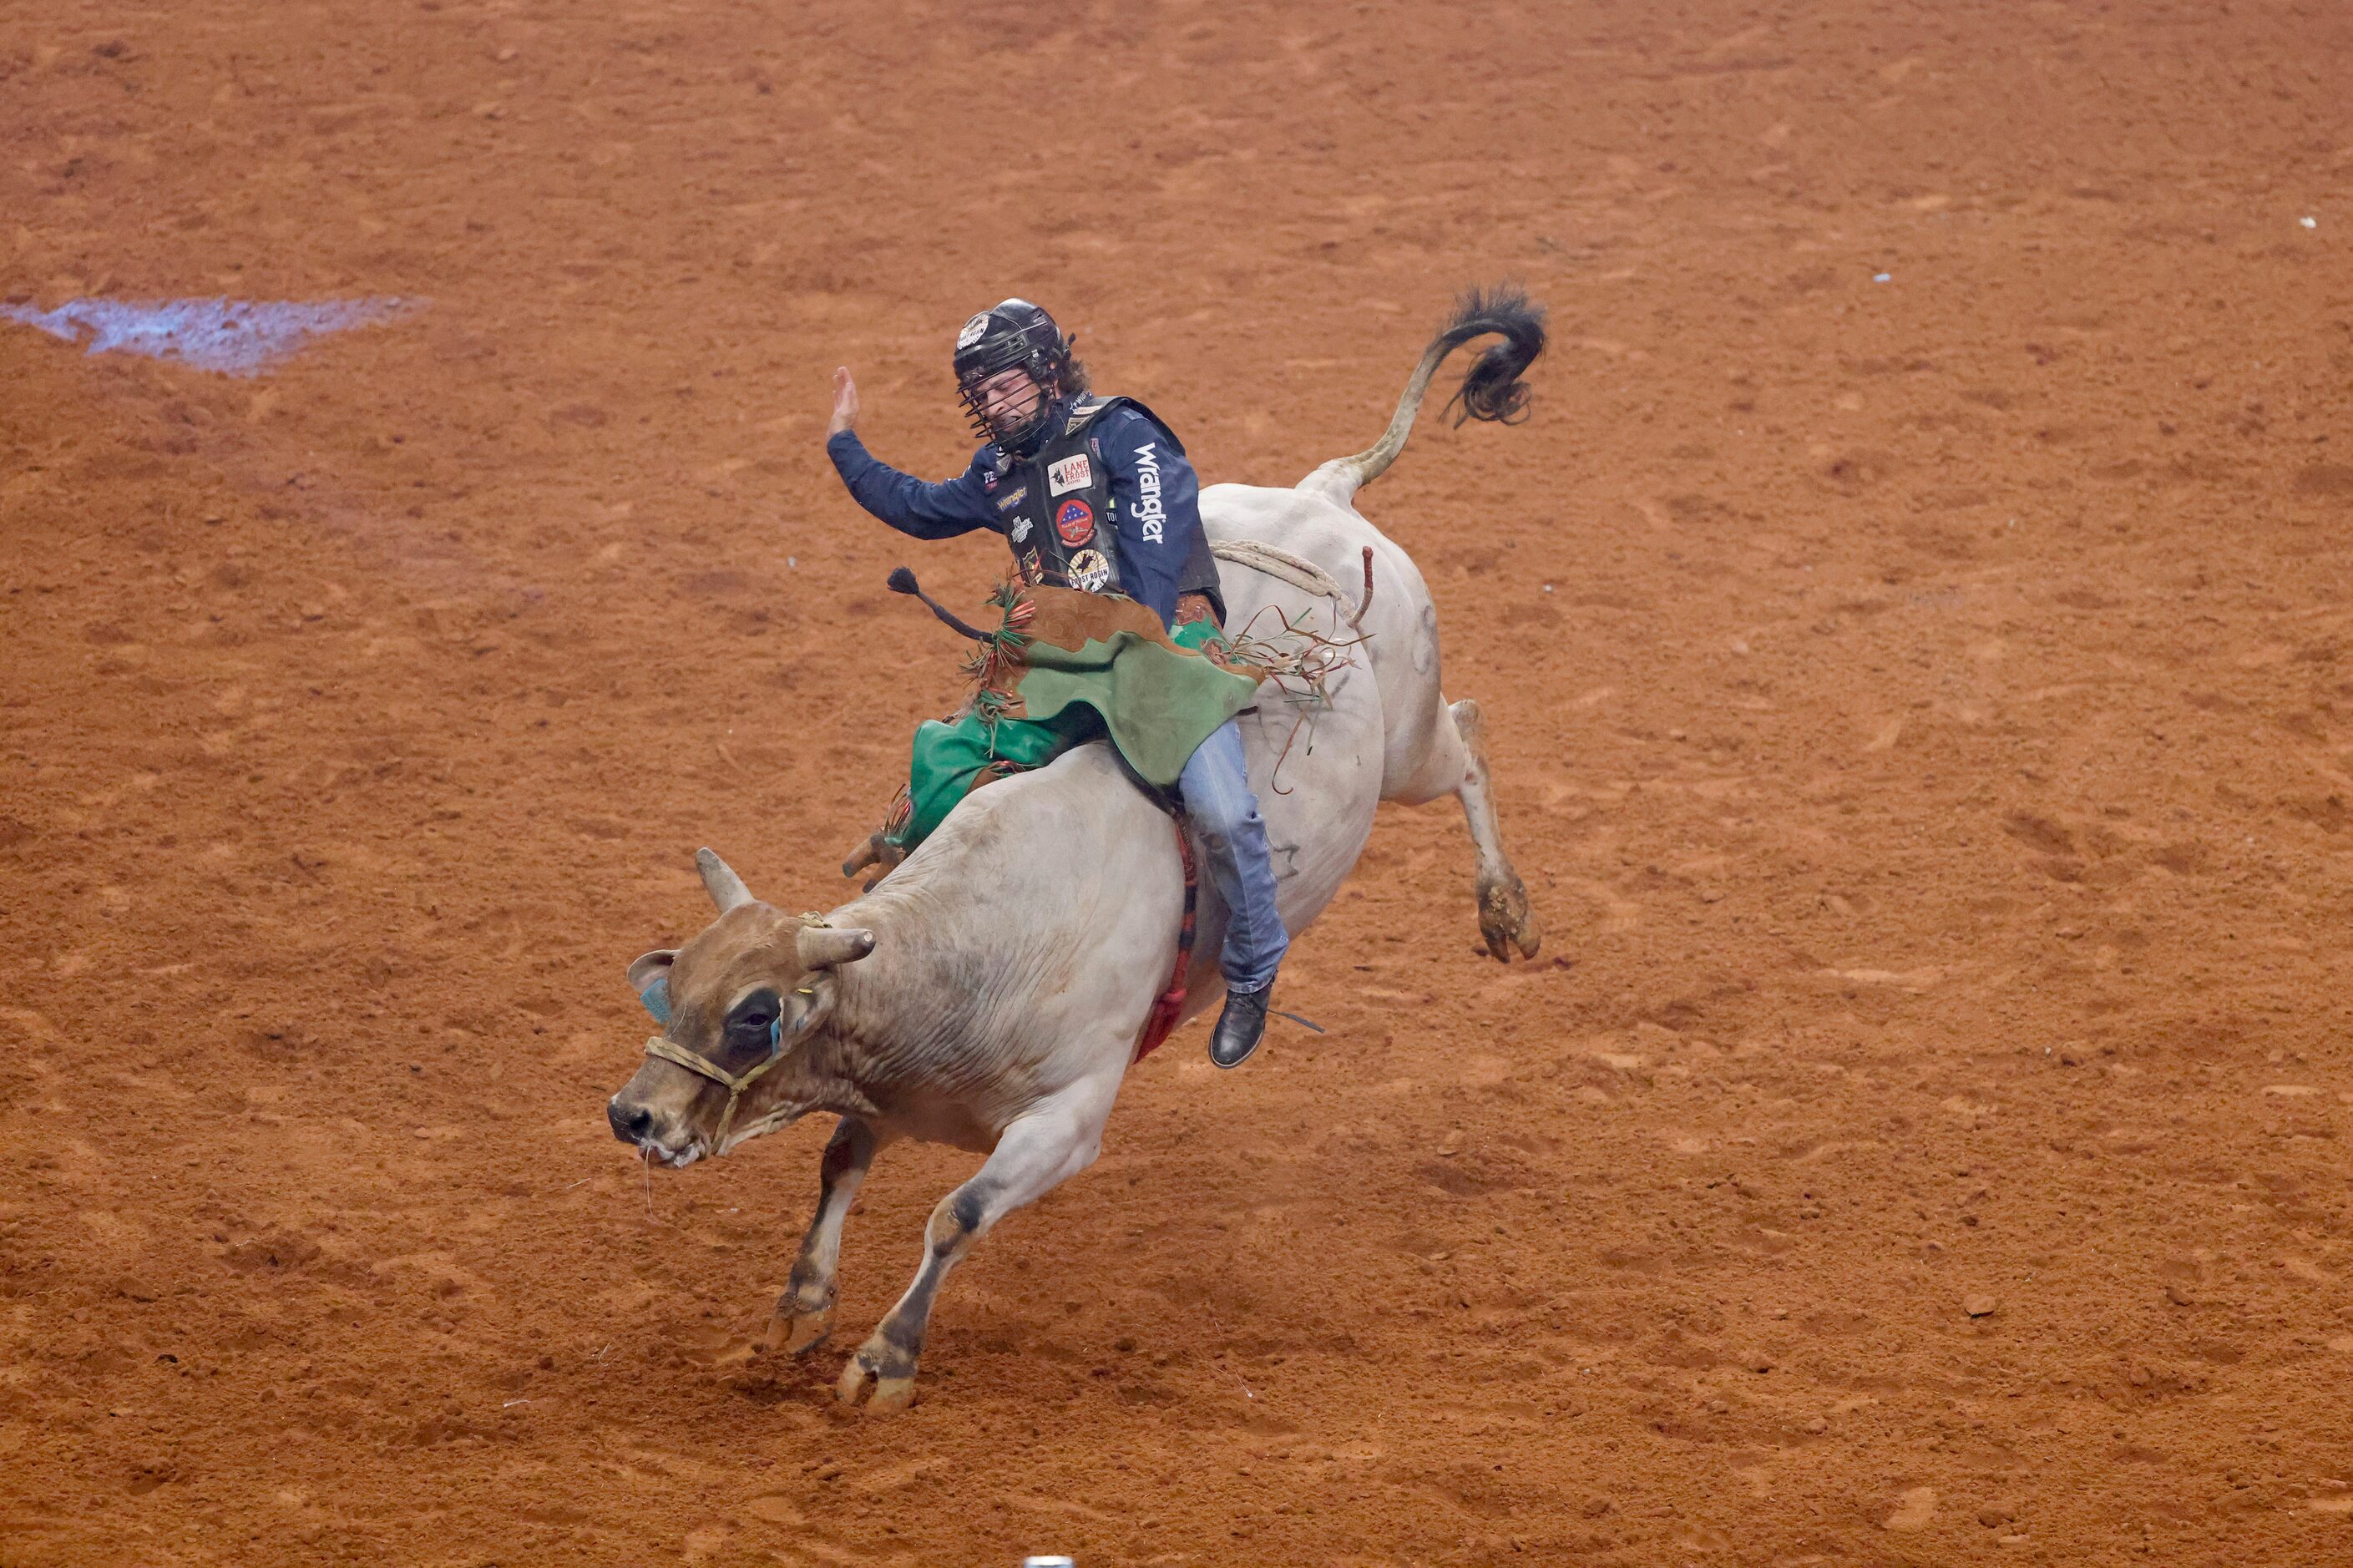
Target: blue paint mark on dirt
<point x="235" y="337"/>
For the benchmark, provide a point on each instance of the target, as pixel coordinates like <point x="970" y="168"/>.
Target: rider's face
<point x="1007" y="399"/>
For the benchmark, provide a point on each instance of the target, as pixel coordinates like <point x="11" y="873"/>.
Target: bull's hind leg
<point x="1035" y="1154"/>
<point x="1503" y="913"/>
<point x="1457" y="761"/>
<point x="805" y="1312"/>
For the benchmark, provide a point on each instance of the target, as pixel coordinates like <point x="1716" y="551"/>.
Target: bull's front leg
<point x="804" y="1314"/>
<point x="1036" y="1152"/>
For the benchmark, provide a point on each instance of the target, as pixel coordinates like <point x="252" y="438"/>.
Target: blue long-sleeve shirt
<point x="1152" y="549"/>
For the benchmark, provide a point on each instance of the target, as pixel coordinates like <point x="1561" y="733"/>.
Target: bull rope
<point x="1171" y="1001"/>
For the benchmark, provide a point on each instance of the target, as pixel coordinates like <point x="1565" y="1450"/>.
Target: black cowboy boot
<point x="1240" y="1026"/>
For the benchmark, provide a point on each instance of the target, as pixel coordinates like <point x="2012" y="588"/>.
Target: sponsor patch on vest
<point x="1011" y="497"/>
<point x="1020" y="529"/>
<point x="1089" y="571"/>
<point x="1075" y="521"/>
<point x="1148" y="510"/>
<point x="1072" y="473"/>
<point x="1031" y="567"/>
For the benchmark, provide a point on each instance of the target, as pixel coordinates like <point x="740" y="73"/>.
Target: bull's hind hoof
<point x="1506" y="922"/>
<point x="892" y="1371"/>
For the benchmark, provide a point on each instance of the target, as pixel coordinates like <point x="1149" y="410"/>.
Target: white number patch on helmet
<point x="972" y="331"/>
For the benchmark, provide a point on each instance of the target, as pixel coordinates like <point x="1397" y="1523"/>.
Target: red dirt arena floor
<point x="1923" y="710"/>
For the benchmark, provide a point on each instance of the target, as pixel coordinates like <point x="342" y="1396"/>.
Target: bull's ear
<point x="650" y="978"/>
<point x="807" y="1006"/>
<point x="824" y="947"/>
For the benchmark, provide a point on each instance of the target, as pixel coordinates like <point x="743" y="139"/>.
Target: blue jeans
<point x="1218" y="798"/>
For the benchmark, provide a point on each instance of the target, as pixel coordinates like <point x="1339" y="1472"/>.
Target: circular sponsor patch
<point x="1075" y="521"/>
<point x="1089" y="571"/>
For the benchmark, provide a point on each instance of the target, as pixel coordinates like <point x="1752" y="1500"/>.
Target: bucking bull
<point x="991" y="991"/>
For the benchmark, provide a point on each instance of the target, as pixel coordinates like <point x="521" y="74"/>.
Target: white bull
<point x="991" y="991"/>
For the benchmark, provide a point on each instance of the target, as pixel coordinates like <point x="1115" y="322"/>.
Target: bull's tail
<point x="1491" y="390"/>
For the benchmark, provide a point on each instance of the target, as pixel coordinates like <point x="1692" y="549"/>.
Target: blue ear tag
<point x="657" y="999"/>
<point x="776" y="1035"/>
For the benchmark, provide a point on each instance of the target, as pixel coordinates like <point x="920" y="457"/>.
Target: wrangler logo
<point x="1148" y="510"/>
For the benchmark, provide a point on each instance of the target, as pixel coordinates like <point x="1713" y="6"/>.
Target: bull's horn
<point x="822" y="947"/>
<point x="726" y="888"/>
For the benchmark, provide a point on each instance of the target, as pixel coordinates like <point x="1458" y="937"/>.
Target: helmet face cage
<point x="1015" y="335"/>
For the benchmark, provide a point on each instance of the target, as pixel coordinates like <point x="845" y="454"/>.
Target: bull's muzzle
<point x="657" y="1135"/>
<point x="632" y="1124"/>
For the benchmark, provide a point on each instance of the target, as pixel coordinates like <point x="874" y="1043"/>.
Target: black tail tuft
<point x="1492" y="389"/>
<point x="902" y="581"/>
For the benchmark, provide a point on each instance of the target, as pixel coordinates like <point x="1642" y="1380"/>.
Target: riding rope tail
<point x="902" y="581"/>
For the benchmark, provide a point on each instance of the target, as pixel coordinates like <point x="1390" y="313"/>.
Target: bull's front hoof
<point x="890" y="1370"/>
<point x="1506" y="922"/>
<point x="798" y="1332"/>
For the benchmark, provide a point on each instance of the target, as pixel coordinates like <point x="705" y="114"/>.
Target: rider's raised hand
<point x="845" y="402"/>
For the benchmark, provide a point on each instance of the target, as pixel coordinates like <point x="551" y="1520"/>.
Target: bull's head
<point x="736" y="1004"/>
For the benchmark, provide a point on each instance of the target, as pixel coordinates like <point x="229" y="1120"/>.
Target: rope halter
<point x="657" y="1001"/>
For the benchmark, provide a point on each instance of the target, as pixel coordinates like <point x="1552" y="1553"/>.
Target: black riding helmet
<point x="1015" y="334"/>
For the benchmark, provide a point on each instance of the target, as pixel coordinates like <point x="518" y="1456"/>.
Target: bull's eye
<point x="754" y="1023"/>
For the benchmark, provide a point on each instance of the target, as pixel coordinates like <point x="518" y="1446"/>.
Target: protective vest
<point x="1059" y="515"/>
